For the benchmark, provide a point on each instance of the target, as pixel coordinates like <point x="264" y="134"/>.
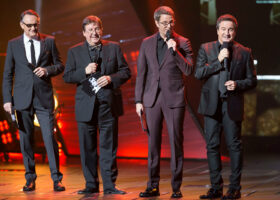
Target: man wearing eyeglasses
<point x="32" y="60"/>
<point x="100" y="64"/>
<point x="164" y="59"/>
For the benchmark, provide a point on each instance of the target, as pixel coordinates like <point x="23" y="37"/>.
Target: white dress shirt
<point x="27" y="45"/>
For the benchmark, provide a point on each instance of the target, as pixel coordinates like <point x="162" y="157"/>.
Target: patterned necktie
<point x="95" y="47"/>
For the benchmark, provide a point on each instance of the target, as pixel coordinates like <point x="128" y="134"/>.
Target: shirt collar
<point x="98" y="46"/>
<point x="26" y="39"/>
<point x="159" y="37"/>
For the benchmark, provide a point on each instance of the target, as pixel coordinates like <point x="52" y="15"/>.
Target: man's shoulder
<point x="241" y="47"/>
<point x="16" y="39"/>
<point x="110" y="43"/>
<point x="149" y="38"/>
<point x="46" y="37"/>
<point x="180" y="37"/>
<point x="77" y="46"/>
<point x="209" y="44"/>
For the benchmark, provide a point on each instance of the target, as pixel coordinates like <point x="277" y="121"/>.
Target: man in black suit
<point x="99" y="109"/>
<point x="227" y="71"/>
<point x="32" y="59"/>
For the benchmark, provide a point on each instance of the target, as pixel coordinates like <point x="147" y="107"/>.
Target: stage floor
<point x="260" y="181"/>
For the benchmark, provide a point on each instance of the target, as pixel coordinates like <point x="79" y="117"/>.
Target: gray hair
<point x="163" y="10"/>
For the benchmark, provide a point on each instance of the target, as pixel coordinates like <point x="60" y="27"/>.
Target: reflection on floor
<point x="260" y="181"/>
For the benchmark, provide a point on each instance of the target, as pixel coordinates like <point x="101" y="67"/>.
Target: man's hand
<point x="91" y="68"/>
<point x="231" y="85"/>
<point x="139" y="109"/>
<point x="171" y="44"/>
<point x="40" y="71"/>
<point x="103" y="81"/>
<point x="8" y="107"/>
<point x="224" y="53"/>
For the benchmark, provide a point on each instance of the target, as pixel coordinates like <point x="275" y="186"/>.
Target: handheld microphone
<point x="226" y="60"/>
<point x="169" y="35"/>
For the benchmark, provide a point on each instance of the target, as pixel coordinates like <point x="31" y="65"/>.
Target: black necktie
<point x="32" y="49"/>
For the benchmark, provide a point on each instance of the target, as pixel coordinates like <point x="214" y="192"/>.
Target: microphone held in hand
<point x="226" y="60"/>
<point x="169" y="35"/>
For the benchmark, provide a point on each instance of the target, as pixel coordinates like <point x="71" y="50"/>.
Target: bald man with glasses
<point x="32" y="60"/>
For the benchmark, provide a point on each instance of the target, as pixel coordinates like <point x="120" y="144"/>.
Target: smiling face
<point x="165" y="23"/>
<point x="92" y="32"/>
<point x="30" y="25"/>
<point x="226" y="31"/>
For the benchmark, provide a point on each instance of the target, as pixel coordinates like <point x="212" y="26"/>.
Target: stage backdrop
<point x="122" y="23"/>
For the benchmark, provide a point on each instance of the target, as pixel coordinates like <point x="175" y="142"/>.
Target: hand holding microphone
<point x="224" y="54"/>
<point x="171" y="44"/>
<point x="91" y="68"/>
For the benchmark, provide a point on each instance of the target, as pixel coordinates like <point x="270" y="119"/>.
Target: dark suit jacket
<point x="17" y="66"/>
<point x="242" y="71"/>
<point x="113" y="64"/>
<point x="168" y="76"/>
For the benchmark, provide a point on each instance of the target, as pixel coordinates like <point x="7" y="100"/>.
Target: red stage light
<point x="9" y="136"/>
<point x="4" y="139"/>
<point x="17" y="134"/>
<point x="6" y="125"/>
<point x="60" y="124"/>
<point x="1" y="127"/>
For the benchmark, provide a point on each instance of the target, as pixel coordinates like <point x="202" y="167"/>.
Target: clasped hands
<point x="103" y="80"/>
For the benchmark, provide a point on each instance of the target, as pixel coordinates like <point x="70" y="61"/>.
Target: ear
<point x="157" y="24"/>
<point x="84" y="34"/>
<point x="21" y="25"/>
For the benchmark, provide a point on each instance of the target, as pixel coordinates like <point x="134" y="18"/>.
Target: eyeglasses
<point x="96" y="30"/>
<point x="30" y="25"/>
<point x="165" y="24"/>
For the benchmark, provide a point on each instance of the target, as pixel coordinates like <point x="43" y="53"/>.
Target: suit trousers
<point x="26" y="129"/>
<point x="232" y="131"/>
<point x="107" y="124"/>
<point x="174" y="118"/>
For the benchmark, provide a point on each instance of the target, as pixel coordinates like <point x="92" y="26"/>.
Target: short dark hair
<point x="29" y="12"/>
<point x="227" y="17"/>
<point x="163" y="10"/>
<point x="92" y="19"/>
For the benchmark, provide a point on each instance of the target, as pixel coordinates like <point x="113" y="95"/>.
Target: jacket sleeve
<point x="123" y="73"/>
<point x="72" y="73"/>
<point x="250" y="80"/>
<point x="57" y="66"/>
<point x="205" y="68"/>
<point x="8" y="75"/>
<point x="184" y="57"/>
<point x="141" y="74"/>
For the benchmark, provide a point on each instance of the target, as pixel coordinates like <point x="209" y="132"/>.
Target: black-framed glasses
<point x="30" y="25"/>
<point x="165" y="24"/>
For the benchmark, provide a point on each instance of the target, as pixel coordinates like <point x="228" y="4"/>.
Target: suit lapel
<point x="85" y="53"/>
<point x="22" y="52"/>
<point x="166" y="54"/>
<point x="153" y="51"/>
<point x="42" y="47"/>
<point x="104" y="55"/>
<point x="234" y="58"/>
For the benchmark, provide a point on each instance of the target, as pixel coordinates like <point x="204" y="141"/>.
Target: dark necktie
<point x="32" y="49"/>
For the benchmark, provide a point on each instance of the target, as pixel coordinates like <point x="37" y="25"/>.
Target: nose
<point x="228" y="32"/>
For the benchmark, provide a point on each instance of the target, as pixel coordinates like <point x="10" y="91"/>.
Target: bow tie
<point x="95" y="47"/>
